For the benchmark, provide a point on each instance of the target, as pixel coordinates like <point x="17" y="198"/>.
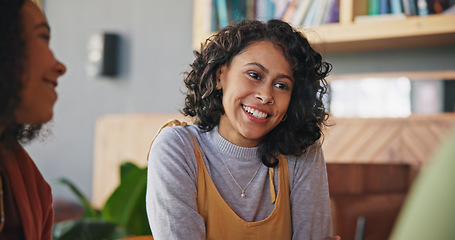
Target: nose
<point x="264" y="95"/>
<point x="60" y="68"/>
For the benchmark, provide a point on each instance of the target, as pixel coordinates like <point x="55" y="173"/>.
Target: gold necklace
<point x="242" y="195"/>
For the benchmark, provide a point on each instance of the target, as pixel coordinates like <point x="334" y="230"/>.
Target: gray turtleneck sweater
<point x="171" y="185"/>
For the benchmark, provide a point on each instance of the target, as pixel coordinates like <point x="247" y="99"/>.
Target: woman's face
<point x="257" y="88"/>
<point x="42" y="69"/>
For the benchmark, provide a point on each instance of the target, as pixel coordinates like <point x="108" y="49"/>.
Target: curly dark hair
<point x="306" y="114"/>
<point x="12" y="65"/>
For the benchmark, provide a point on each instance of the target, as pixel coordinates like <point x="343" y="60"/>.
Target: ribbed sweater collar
<point x="229" y="149"/>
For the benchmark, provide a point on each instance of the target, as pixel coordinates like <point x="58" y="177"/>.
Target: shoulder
<point x="171" y="155"/>
<point x="173" y="143"/>
<point x="176" y="135"/>
<point x="27" y="164"/>
<point x="310" y="163"/>
<point x="23" y="170"/>
<point x="312" y="155"/>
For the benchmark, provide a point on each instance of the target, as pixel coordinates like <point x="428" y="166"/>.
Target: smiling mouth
<point x="53" y="83"/>
<point x="255" y="113"/>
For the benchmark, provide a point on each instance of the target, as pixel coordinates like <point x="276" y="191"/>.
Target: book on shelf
<point x="373" y="7"/>
<point x="222" y="13"/>
<point x="280" y="8"/>
<point x="309" y="18"/>
<point x="395" y="7"/>
<point x="439" y="6"/>
<point x="290" y="11"/>
<point x="320" y="12"/>
<point x="270" y="9"/>
<point x="236" y="10"/>
<point x="251" y="9"/>
<point x="299" y="13"/>
<point x="422" y="7"/>
<point x="211" y="18"/>
<point x="384" y="7"/>
<point x="426" y="7"/>
<point x="409" y="7"/>
<point x="311" y="13"/>
<point x="379" y="7"/>
<point x="265" y="9"/>
<point x="332" y="12"/>
<point x="209" y="21"/>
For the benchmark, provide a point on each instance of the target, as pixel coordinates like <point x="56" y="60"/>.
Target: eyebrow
<point x="43" y="25"/>
<point x="267" y="71"/>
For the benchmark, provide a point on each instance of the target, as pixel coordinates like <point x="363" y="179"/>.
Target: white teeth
<point x="255" y="113"/>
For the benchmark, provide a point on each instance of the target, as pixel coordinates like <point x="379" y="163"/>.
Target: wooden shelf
<point x="348" y="36"/>
<point x="414" y="75"/>
<point x="432" y="30"/>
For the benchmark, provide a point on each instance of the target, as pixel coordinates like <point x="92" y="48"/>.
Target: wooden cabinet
<point x="374" y="192"/>
<point x="348" y="36"/>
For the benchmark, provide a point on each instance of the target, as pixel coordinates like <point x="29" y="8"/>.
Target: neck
<point x="227" y="131"/>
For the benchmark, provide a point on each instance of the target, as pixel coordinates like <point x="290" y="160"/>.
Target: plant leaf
<point x="126" y="205"/>
<point x="89" y="211"/>
<point x="125" y="168"/>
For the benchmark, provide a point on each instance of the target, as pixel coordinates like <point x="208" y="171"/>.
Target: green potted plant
<point x="123" y="214"/>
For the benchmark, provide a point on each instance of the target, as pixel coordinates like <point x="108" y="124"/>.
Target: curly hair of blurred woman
<point x="12" y="68"/>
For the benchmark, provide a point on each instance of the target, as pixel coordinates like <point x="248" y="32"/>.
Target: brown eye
<point x="254" y="75"/>
<point x="46" y="37"/>
<point x="282" y="86"/>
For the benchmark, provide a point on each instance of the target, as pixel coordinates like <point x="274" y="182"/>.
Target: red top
<point x="32" y="195"/>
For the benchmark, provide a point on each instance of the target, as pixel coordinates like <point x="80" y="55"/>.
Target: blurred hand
<point x="334" y="238"/>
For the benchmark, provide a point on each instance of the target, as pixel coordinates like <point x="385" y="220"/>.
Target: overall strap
<point x="171" y="123"/>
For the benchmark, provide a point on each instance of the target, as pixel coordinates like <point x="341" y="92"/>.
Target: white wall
<point x="156" y="49"/>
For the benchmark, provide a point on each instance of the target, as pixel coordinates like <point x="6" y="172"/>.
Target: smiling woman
<point x="42" y="69"/>
<point x="260" y="79"/>
<point x="28" y="78"/>
<point x="252" y="164"/>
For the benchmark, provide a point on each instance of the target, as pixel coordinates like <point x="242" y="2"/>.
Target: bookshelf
<point x="349" y="36"/>
<point x="432" y="30"/>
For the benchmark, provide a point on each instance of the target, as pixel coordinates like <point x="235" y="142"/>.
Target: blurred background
<point x="155" y="40"/>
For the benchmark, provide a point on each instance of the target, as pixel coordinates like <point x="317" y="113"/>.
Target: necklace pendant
<point x="243" y="195"/>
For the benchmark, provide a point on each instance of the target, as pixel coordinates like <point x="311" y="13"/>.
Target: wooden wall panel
<point x="399" y="140"/>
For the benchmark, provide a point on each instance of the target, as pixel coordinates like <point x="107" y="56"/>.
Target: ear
<point x="220" y="77"/>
